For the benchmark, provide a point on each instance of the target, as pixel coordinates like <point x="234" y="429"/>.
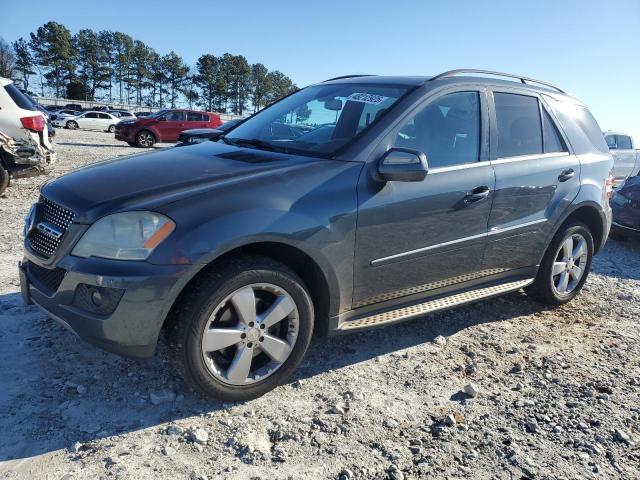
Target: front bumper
<point x="145" y="293"/>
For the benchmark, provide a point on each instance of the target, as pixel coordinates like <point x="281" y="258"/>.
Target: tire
<point x="72" y="125"/>
<point x="111" y="129"/>
<point x="145" y="139"/>
<point x="212" y="363"/>
<point x="548" y="285"/>
<point x="4" y="179"/>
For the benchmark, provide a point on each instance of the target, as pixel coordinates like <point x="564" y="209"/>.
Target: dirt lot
<point x="558" y="391"/>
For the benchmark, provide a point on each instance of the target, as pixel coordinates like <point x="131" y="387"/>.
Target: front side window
<point x="91" y="115"/>
<point x="174" y="116"/>
<point x="518" y="122"/>
<point x="611" y="141"/>
<point x="624" y="142"/>
<point x="340" y="111"/>
<point x="447" y="130"/>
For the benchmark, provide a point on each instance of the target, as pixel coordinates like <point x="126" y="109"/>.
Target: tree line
<point x="112" y="66"/>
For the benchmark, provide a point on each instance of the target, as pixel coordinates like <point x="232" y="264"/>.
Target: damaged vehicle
<point x="25" y="146"/>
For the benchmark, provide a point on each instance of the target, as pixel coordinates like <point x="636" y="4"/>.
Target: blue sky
<point x="589" y="48"/>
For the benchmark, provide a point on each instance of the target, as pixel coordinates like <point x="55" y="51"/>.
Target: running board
<point x="443" y="303"/>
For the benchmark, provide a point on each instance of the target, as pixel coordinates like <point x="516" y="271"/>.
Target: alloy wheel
<point x="250" y="334"/>
<point x="145" y="139"/>
<point x="569" y="265"/>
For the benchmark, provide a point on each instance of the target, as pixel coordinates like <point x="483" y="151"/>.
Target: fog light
<point x="96" y="298"/>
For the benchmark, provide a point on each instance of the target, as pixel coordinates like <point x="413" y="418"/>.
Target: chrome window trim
<point x="493" y="231"/>
<point x="460" y="166"/>
<point x="529" y="157"/>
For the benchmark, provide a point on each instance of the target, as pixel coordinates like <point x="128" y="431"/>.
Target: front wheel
<point x="145" y="139"/>
<point x="242" y="329"/>
<point x="71" y="125"/>
<point x="565" y="266"/>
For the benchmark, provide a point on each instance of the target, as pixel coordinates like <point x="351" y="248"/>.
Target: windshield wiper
<point x="226" y="140"/>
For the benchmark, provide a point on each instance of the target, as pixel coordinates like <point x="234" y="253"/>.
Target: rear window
<point x="19" y="98"/>
<point x="519" y="127"/>
<point x="624" y="142"/>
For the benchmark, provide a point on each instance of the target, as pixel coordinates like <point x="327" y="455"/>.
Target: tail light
<point x="608" y="185"/>
<point x="35" y="123"/>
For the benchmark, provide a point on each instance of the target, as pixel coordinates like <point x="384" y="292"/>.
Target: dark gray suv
<point x="351" y="204"/>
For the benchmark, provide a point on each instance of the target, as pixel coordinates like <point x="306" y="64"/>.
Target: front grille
<point x="50" y="212"/>
<point x="47" y="279"/>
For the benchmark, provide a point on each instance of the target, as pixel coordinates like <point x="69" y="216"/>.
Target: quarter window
<point x="519" y="127"/>
<point x="552" y="140"/>
<point x="447" y="130"/>
<point x="624" y="142"/>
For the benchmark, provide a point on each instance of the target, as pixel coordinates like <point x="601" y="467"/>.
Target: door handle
<point x="477" y="194"/>
<point x="566" y="174"/>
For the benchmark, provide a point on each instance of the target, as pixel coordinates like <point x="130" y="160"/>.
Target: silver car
<point x="89" y="121"/>
<point x="626" y="159"/>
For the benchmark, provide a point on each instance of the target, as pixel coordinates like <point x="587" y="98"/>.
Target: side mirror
<point x="403" y="165"/>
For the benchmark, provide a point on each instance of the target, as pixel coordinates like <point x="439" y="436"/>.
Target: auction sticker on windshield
<point x="366" y="98"/>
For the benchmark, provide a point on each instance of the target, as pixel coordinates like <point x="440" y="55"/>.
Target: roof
<point x="485" y="77"/>
<point x="5" y="81"/>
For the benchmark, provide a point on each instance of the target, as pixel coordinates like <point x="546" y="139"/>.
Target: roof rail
<point x="524" y="80"/>
<point x="348" y="76"/>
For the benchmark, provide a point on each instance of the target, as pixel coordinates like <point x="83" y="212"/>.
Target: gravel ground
<point x="501" y="389"/>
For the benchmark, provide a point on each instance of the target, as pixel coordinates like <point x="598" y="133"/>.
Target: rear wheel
<point x="4" y="179"/>
<point x="242" y="329"/>
<point x="145" y="139"/>
<point x="72" y="125"/>
<point x="111" y="129"/>
<point x="565" y="266"/>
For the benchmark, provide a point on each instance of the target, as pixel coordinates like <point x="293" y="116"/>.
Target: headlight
<point x="124" y="236"/>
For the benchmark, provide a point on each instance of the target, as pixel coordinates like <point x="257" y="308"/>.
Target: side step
<point x="443" y="303"/>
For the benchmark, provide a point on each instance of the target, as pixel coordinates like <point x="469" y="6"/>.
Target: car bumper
<point x="625" y="230"/>
<point x="123" y="135"/>
<point x="135" y="298"/>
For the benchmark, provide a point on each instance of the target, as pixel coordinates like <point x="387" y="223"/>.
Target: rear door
<point x="104" y="120"/>
<point x="624" y="156"/>
<point x="537" y="178"/>
<point x="196" y="120"/>
<point x="413" y="237"/>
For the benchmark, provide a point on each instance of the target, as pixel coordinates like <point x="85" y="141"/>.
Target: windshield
<point x="159" y="113"/>
<point x="318" y="120"/>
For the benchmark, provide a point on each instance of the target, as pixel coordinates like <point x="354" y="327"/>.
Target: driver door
<point x="416" y="236"/>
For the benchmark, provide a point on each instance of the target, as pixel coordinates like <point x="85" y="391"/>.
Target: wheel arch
<point x="316" y="279"/>
<point x="591" y="214"/>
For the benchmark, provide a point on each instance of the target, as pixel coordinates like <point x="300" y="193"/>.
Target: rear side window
<point x="447" y="130"/>
<point x="623" y="142"/>
<point x="104" y="115"/>
<point x="552" y="140"/>
<point x="519" y="127"/>
<point x="195" y="117"/>
<point x="20" y="99"/>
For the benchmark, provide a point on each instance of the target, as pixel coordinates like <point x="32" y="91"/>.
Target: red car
<point x="163" y="126"/>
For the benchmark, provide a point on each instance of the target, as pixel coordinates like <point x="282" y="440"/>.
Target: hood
<point x="631" y="188"/>
<point x="148" y="181"/>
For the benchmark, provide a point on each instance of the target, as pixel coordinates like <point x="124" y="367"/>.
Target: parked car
<point x="431" y="192"/>
<point x="198" y="135"/>
<point x="25" y="146"/>
<point x="122" y="114"/>
<point x="62" y="113"/>
<point x="626" y="158"/>
<point x="142" y="114"/>
<point x="625" y="204"/>
<point x="74" y="106"/>
<point x="90" y="121"/>
<point x="164" y="126"/>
